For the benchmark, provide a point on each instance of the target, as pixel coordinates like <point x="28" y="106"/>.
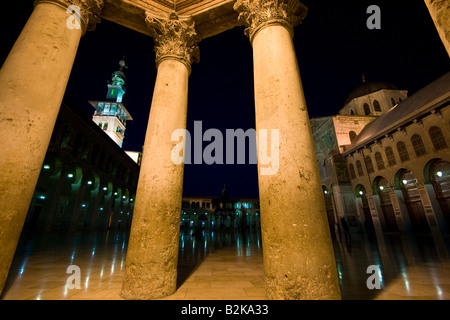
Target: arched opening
<point x="437" y="138"/>
<point x="408" y="185"/>
<point x="377" y="106"/>
<point x="402" y="151"/>
<point x="439" y="176"/>
<point x="419" y="147"/>
<point x="381" y="188"/>
<point x="361" y="195"/>
<point x="352" y="135"/>
<point x="327" y="194"/>
<point x="366" y="108"/>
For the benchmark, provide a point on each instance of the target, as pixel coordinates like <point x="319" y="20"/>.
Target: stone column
<point x="152" y="255"/>
<point x="33" y="80"/>
<point x="440" y="13"/>
<point x="298" y="254"/>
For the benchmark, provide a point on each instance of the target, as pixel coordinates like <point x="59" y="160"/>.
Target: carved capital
<point x="257" y="14"/>
<point x="89" y="11"/>
<point x="175" y="37"/>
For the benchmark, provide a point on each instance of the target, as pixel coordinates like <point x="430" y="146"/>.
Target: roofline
<point x="438" y="103"/>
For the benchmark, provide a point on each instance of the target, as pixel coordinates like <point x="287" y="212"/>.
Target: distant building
<point x="399" y="164"/>
<point x="384" y="160"/>
<point x="87" y="181"/>
<point x="220" y="213"/>
<point x="334" y="134"/>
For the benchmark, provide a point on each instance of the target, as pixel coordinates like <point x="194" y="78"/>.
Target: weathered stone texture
<point x="440" y="12"/>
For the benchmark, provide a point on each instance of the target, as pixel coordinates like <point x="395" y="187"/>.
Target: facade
<point x="388" y="170"/>
<point x="87" y="182"/>
<point x="399" y="165"/>
<point x="333" y="135"/>
<point x="289" y="199"/>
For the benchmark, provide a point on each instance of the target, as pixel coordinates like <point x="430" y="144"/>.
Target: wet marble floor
<point x="228" y="265"/>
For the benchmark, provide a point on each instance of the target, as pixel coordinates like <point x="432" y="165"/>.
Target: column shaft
<point x="152" y="256"/>
<point x="32" y="84"/>
<point x="298" y="253"/>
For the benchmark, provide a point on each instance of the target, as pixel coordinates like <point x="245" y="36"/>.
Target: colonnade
<point x="298" y="253"/>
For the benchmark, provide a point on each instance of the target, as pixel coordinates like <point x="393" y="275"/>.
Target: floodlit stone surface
<point x="298" y="254"/>
<point x="33" y="80"/>
<point x="151" y="264"/>
<point x="440" y="12"/>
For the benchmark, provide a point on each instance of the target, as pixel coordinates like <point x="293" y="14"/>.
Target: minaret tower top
<point x="111" y="114"/>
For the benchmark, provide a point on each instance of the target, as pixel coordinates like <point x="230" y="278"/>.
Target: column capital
<point x="89" y="14"/>
<point x="257" y="14"/>
<point x="175" y="38"/>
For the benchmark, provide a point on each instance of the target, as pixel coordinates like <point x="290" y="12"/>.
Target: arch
<point x="379" y="160"/>
<point x="394" y="103"/>
<point x="352" y="134"/>
<point x="363" y="203"/>
<point x="359" y="168"/>
<point x="351" y="169"/>
<point x="437" y="138"/>
<point x="376" y="106"/>
<point x="402" y="151"/>
<point x="390" y="157"/>
<point x="381" y="188"/>
<point x="328" y="196"/>
<point x="418" y="146"/>
<point x="438" y="173"/>
<point x="369" y="164"/>
<point x="366" y="108"/>
<point x="408" y="184"/>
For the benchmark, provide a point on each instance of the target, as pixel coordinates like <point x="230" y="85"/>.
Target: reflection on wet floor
<point x="227" y="265"/>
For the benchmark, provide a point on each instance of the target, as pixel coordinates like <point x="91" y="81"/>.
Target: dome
<point x="367" y="88"/>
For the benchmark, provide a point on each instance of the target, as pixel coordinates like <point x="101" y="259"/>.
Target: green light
<point x="439" y="174"/>
<point x="46" y="167"/>
<point x="70" y="175"/>
<point x="89" y="182"/>
<point x="112" y="92"/>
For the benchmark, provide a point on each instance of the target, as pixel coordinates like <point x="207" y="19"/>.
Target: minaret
<point x="110" y="114"/>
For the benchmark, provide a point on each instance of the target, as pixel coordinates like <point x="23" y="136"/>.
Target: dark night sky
<point x="334" y="47"/>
